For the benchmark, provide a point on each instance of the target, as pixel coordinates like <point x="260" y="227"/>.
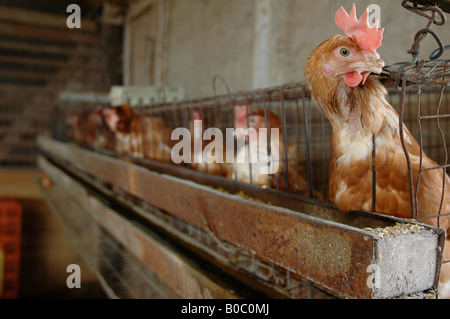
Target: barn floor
<point x="46" y="250"/>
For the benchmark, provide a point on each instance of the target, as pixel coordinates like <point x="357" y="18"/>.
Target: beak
<point x="373" y="62"/>
<point x="362" y="68"/>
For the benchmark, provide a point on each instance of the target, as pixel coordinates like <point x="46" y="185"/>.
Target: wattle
<point x="353" y="79"/>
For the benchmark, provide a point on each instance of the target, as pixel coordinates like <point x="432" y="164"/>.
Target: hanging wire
<point x="431" y="13"/>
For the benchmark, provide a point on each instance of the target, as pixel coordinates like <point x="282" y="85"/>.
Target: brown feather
<point x="141" y="135"/>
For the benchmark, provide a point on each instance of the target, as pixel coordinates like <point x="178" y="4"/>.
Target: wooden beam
<point x="22" y="144"/>
<point x="26" y="74"/>
<point x="15" y="159"/>
<point x="11" y="116"/>
<point x="41" y="19"/>
<point x="62" y="76"/>
<point x="68" y="35"/>
<point x="13" y="89"/>
<point x="21" y="100"/>
<point x="334" y="256"/>
<point x="23" y="129"/>
<point x="66" y="64"/>
<point x="49" y="48"/>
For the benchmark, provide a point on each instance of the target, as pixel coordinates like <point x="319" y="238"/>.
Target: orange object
<point x="10" y="239"/>
<point x="2" y="269"/>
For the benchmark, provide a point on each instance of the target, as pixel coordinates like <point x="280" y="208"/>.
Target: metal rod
<point x="374" y="175"/>
<point x="307" y="145"/>
<point x="405" y="150"/>
<point x="419" y="124"/>
<point x="441" y="132"/>
<point x="285" y="146"/>
<point x="268" y="137"/>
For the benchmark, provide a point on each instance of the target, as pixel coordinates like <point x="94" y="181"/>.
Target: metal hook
<point x="421" y="12"/>
<point x="224" y="82"/>
<point x="418" y="38"/>
<point x="438" y="52"/>
<point x="400" y="71"/>
<point x="421" y="34"/>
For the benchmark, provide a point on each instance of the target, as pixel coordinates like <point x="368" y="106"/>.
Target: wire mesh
<point x="145" y="132"/>
<point x="305" y="127"/>
<point x="121" y="274"/>
<point x="427" y="82"/>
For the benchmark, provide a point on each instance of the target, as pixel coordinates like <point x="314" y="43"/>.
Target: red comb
<point x="196" y="115"/>
<point x="240" y="111"/>
<point x="368" y="38"/>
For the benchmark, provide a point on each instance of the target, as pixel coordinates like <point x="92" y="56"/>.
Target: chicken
<point x="127" y="129"/>
<point x="356" y="106"/>
<point x="139" y="135"/>
<point x="96" y="135"/>
<point x="202" y="160"/>
<point x="157" y="138"/>
<point x="74" y="123"/>
<point x="252" y="169"/>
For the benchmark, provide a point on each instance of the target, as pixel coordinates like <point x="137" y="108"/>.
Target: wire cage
<point x="302" y="123"/>
<point x="300" y="150"/>
<point x="304" y="129"/>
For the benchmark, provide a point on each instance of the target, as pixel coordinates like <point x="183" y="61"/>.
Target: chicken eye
<point x="345" y="52"/>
